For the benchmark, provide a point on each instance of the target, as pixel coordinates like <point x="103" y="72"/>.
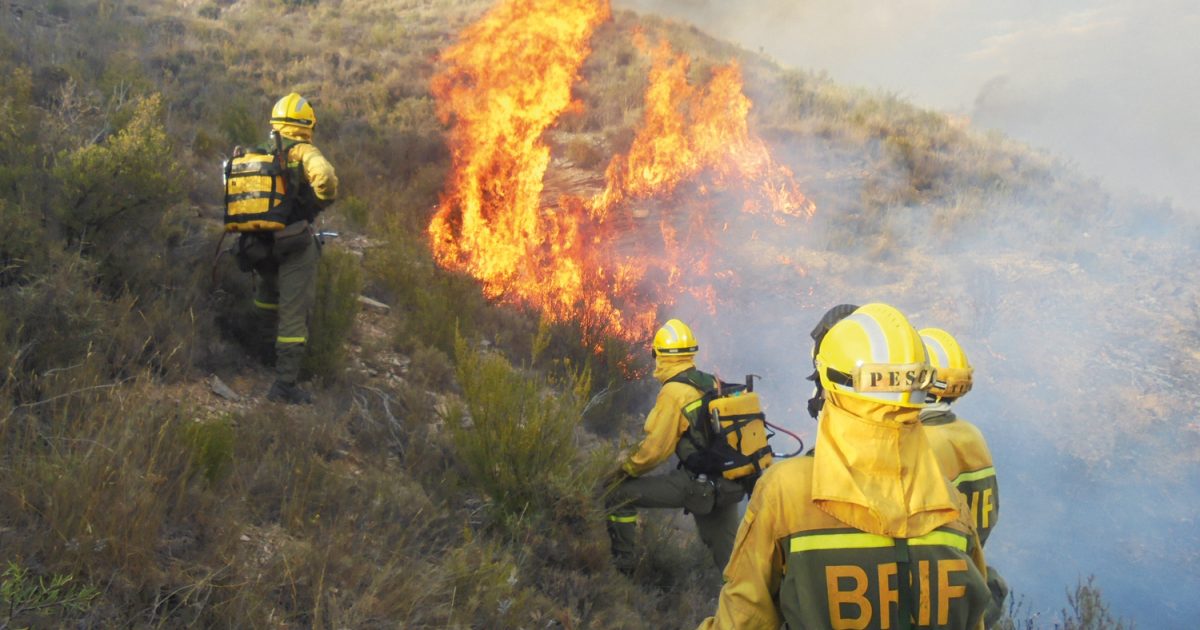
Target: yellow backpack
<point x="259" y="190"/>
<point x="731" y="419"/>
<point x="739" y="419"/>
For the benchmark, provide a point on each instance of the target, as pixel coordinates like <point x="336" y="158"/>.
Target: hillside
<point x="168" y="506"/>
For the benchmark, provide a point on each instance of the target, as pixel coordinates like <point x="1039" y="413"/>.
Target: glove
<point x="613" y="477"/>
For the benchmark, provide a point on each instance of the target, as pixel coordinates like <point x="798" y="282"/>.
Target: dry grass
<point x="183" y="511"/>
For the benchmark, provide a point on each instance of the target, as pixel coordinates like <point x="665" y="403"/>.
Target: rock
<point x="221" y="389"/>
<point x="400" y="362"/>
<point x="375" y="304"/>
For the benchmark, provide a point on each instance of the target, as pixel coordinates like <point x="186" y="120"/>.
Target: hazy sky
<point x="1112" y="86"/>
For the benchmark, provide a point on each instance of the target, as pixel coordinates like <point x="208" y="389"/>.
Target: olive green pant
<point x="999" y="589"/>
<point x="284" y="296"/>
<point x="713" y="504"/>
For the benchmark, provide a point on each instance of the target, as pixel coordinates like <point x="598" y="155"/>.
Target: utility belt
<point x="264" y="251"/>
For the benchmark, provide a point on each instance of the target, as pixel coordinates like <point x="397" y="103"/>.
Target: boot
<point x="265" y="353"/>
<point x="622" y="534"/>
<point x="289" y="393"/>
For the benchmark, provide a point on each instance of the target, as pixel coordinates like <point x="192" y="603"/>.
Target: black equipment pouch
<point x="253" y="251"/>
<point x="293" y="239"/>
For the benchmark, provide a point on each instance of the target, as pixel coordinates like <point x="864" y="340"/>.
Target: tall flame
<point x="688" y="130"/>
<point x="505" y="83"/>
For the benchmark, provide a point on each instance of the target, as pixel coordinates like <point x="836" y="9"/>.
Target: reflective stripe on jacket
<point x="826" y="575"/>
<point x="665" y="423"/>
<point x="824" y="537"/>
<point x="966" y="461"/>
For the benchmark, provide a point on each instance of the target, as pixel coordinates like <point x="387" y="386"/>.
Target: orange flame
<point x="687" y="131"/>
<point x="504" y="84"/>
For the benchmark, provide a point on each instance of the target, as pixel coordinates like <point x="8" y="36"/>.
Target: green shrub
<point x="58" y="318"/>
<point x="210" y="11"/>
<point x="24" y="598"/>
<point x="485" y="581"/>
<point x="356" y="211"/>
<point x="431" y="303"/>
<point x="22" y="243"/>
<point x="431" y="367"/>
<point x="104" y="487"/>
<point x="111" y="192"/>
<point x="211" y="442"/>
<point x="515" y="434"/>
<point x="339" y="283"/>
<point x="1088" y="610"/>
<point x="240" y="125"/>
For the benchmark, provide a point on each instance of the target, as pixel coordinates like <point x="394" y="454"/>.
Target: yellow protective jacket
<point x="665" y="423"/>
<point x="317" y="170"/>
<point x="820" y="541"/>
<point x="966" y="461"/>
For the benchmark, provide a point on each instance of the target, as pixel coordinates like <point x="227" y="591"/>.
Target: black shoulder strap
<point x="289" y="144"/>
<point x="700" y="380"/>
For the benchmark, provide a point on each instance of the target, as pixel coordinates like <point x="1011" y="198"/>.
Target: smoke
<point x="1080" y="309"/>
<point x="1084" y="368"/>
<point x="1107" y="85"/>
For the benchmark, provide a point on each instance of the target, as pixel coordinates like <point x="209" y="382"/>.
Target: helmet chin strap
<point x="817" y="402"/>
<point x="831" y="317"/>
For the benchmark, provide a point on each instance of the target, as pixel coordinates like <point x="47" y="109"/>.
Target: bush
<point x="240" y="125"/>
<point x="356" y="211"/>
<point x="431" y="303"/>
<point x="110" y="192"/>
<point x="584" y="153"/>
<point x="210" y="11"/>
<point x="339" y="283"/>
<point x="211" y="442"/>
<point x="105" y="487"/>
<point x="486" y="584"/>
<point x="515" y="434"/>
<point x="22" y="243"/>
<point x="24" y="599"/>
<point x="1088" y="610"/>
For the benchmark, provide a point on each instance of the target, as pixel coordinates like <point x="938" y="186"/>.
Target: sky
<point x="1112" y="87"/>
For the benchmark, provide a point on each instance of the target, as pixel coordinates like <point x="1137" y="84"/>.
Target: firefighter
<point x="864" y="532"/>
<point x="959" y="446"/>
<point x="673" y="427"/>
<point x="287" y="273"/>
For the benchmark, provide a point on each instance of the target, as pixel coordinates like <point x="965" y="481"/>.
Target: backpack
<point x="734" y="429"/>
<point x="261" y="191"/>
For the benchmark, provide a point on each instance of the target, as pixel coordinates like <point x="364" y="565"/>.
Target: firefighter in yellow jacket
<point x="865" y="532"/>
<point x="959" y="446"/>
<point x="287" y="261"/>
<point x="671" y="428"/>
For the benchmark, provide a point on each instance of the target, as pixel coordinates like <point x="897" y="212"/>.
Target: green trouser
<point x="713" y="504"/>
<point x="999" y="589"/>
<point x="284" y="296"/>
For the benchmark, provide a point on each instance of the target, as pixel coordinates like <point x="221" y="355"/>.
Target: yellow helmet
<point x="293" y="109"/>
<point x="676" y="339"/>
<point x="875" y="354"/>
<point x="953" y="373"/>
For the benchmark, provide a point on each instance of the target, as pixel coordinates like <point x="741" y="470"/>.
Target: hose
<point x="799" y="449"/>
